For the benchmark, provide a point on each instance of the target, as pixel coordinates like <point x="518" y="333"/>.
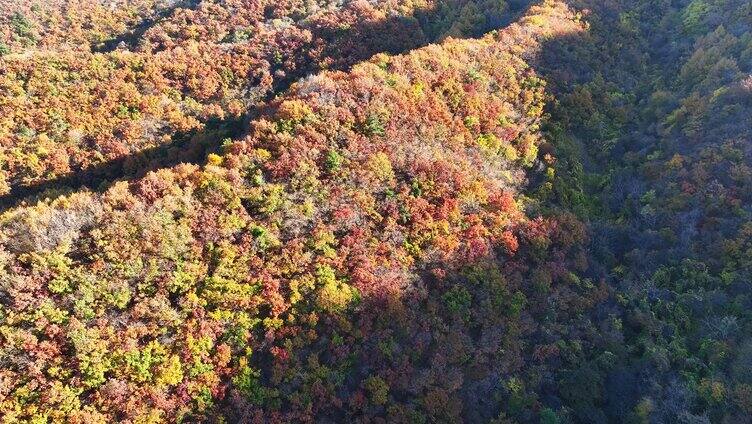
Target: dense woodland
<point x="389" y="211"/>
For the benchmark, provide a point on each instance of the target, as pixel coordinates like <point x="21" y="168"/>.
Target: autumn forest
<point x="376" y="211"/>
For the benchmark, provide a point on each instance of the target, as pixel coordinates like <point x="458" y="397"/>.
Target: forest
<point x="382" y="211"/>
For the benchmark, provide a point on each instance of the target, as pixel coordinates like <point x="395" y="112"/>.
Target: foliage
<point x="376" y="211"/>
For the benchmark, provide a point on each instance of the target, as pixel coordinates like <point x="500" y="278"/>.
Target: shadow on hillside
<point x="184" y="148"/>
<point x="130" y="38"/>
<point x="578" y="68"/>
<point x="347" y="47"/>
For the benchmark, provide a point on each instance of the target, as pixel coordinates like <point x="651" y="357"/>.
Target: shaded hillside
<point x="656" y="108"/>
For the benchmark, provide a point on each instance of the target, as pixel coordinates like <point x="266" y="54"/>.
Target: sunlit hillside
<point x="390" y="211"/>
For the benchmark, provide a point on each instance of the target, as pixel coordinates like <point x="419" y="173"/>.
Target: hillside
<point x="388" y="211"/>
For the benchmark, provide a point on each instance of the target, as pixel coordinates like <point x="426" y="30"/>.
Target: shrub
<point x="378" y="390"/>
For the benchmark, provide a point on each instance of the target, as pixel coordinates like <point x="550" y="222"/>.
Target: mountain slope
<point x="263" y="277"/>
<point x="393" y="211"/>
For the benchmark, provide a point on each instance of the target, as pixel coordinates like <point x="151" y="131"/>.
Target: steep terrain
<point x="398" y="211"/>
